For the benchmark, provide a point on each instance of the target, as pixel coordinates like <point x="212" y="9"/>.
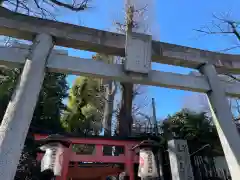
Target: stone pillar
<point x="179" y="158"/>
<point x="160" y="164"/>
<point x="18" y="116"/>
<point x="222" y="117"/>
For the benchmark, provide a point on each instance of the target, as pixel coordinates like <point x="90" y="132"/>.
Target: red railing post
<point x="99" y="151"/>
<point x="129" y="164"/>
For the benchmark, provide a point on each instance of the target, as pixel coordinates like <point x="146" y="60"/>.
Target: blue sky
<point x="174" y="23"/>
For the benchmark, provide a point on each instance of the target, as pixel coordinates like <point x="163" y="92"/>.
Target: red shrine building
<point x="95" y="166"/>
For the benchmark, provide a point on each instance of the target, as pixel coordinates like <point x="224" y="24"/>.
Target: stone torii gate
<point x="139" y="51"/>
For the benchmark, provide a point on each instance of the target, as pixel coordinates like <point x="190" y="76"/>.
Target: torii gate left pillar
<point x="18" y="116"/>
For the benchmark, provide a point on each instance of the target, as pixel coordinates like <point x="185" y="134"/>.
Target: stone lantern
<point x="148" y="159"/>
<point x="52" y="161"/>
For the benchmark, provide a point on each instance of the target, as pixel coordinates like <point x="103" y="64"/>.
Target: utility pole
<point x="154" y="118"/>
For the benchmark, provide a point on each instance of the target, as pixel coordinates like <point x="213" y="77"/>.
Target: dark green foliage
<point x="8" y="81"/>
<point x="28" y="167"/>
<point x="47" y="115"/>
<point x="48" y="110"/>
<point x="197" y="128"/>
<point x="49" y="106"/>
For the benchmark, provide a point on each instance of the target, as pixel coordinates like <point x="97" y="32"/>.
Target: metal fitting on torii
<point x="138" y="52"/>
<point x="138" y="47"/>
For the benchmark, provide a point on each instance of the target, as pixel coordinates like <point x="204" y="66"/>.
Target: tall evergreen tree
<point x="85" y="107"/>
<point x="50" y="105"/>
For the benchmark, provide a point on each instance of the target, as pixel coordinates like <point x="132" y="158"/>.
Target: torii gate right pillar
<point x="222" y="118"/>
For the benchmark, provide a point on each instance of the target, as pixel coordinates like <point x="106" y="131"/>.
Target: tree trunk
<point x="108" y="109"/>
<point x="125" y="116"/>
<point x="108" y="112"/>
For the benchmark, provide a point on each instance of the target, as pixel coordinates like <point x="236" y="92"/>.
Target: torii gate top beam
<point x="26" y="27"/>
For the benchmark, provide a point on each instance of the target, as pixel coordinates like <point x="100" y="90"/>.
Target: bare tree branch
<point x="74" y="6"/>
<point x="230" y="27"/>
<point x="212" y="32"/>
<point x="233" y="77"/>
<point x="230" y="48"/>
<point x="43" y="8"/>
